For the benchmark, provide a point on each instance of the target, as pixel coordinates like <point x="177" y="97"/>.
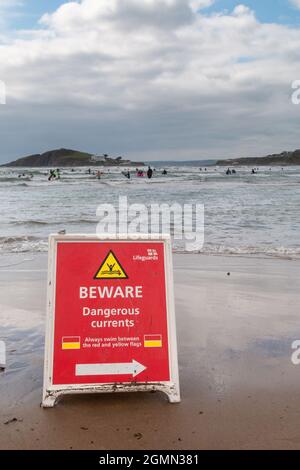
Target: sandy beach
<point x="239" y="388"/>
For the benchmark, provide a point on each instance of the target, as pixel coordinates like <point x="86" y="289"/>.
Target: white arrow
<point x="133" y="368"/>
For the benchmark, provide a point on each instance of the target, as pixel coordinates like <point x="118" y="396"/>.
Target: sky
<point x="149" y="79"/>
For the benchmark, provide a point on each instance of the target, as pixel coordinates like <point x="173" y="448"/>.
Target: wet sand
<point x="239" y="388"/>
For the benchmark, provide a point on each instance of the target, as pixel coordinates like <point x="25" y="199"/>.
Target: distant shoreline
<point x="69" y="158"/>
<point x="73" y="158"/>
<point x="282" y="159"/>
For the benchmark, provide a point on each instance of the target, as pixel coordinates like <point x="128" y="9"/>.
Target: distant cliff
<point x="281" y="159"/>
<point x="66" y="157"/>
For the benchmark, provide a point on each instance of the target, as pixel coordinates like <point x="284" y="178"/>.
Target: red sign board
<point x="110" y="317"/>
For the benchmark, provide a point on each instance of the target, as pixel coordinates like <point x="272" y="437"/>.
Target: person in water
<point x="150" y="173"/>
<point x="52" y="175"/>
<point x="165" y="172"/>
<point x="228" y="172"/>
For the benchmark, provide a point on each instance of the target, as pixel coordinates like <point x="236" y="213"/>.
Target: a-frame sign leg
<point x="172" y="393"/>
<point x="174" y="397"/>
<point x="49" y="401"/>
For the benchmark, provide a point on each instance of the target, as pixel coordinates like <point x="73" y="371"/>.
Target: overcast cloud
<point x="149" y="79"/>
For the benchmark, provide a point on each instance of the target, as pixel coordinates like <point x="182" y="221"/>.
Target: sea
<point x="245" y="214"/>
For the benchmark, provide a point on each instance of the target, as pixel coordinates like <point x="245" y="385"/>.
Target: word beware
<point x="106" y="292"/>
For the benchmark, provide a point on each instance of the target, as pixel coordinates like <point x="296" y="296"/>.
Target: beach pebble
<point x="13" y="420"/>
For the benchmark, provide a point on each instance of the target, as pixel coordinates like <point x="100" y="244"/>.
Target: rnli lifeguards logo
<point x="111" y="269"/>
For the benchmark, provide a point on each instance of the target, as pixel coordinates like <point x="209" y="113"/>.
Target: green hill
<point x="281" y="159"/>
<point x="66" y="157"/>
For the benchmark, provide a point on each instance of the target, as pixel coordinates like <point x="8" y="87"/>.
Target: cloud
<point x="9" y="11"/>
<point x="10" y="3"/>
<point x="150" y="77"/>
<point x="198" y="4"/>
<point x="295" y="3"/>
<point x="80" y="16"/>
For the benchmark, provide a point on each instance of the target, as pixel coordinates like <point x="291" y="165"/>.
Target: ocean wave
<point x="43" y="223"/>
<point x="29" y="223"/>
<point x="23" y="244"/>
<point x="9" y="179"/>
<point x="261" y="251"/>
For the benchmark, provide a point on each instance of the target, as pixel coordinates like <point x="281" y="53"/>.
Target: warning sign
<point x="111" y="268"/>
<point x="114" y="329"/>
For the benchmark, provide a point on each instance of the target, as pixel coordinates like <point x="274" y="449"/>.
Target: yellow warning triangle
<point x="111" y="269"/>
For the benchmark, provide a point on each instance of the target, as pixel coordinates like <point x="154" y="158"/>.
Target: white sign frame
<point x="52" y="392"/>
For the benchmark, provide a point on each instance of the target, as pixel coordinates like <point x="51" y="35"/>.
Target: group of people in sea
<point x="98" y="173"/>
<point x="23" y="175"/>
<point x="232" y="171"/>
<point x="141" y="173"/>
<point x="56" y="174"/>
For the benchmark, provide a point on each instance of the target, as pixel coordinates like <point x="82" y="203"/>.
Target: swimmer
<point x="149" y="173"/>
